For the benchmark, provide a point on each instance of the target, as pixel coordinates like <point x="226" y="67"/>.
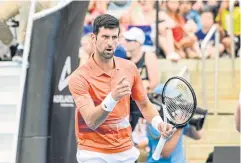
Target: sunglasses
<point x="130" y="40"/>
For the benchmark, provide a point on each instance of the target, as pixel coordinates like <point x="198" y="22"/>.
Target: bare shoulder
<point x="124" y="63"/>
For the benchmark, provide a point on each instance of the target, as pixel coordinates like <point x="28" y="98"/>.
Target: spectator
<point x="173" y="149"/>
<point x="7" y="10"/>
<point x="120" y="52"/>
<point x="146" y="64"/>
<point x="118" y="8"/>
<point x="11" y="9"/>
<point x="148" y="68"/>
<point x="207" y="21"/>
<point x="174" y="39"/>
<point x="86" y="49"/>
<point x="212" y="5"/>
<point x="191" y="16"/>
<point x="95" y="9"/>
<point x="224" y="24"/>
<point x="140" y="13"/>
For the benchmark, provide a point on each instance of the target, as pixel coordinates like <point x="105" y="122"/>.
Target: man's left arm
<point x="151" y="114"/>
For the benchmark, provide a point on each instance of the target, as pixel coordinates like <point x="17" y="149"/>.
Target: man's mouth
<point x="109" y="50"/>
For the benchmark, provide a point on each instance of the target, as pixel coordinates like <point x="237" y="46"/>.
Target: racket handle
<point x="157" y="153"/>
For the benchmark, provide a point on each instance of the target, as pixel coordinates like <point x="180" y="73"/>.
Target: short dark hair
<point x="106" y="21"/>
<point x="207" y="10"/>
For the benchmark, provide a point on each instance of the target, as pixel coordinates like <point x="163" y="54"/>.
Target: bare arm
<point x="171" y="144"/>
<point x="152" y="68"/>
<point x="147" y="109"/>
<point x="94" y="116"/>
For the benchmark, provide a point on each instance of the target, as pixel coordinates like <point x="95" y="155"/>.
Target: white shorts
<point x="129" y="156"/>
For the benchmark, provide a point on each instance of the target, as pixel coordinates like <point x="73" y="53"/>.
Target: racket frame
<point x="193" y="95"/>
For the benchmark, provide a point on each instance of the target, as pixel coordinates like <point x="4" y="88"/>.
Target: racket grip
<point x="157" y="153"/>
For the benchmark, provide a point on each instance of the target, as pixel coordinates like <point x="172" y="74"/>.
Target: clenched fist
<point x="123" y="88"/>
<point x="166" y="129"/>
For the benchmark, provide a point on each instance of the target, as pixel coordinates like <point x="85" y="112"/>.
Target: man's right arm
<point x="93" y="115"/>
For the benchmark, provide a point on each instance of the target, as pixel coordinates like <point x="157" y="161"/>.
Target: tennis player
<point x="101" y="89"/>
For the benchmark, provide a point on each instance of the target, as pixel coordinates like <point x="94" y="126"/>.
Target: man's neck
<point x="136" y="55"/>
<point x="107" y="65"/>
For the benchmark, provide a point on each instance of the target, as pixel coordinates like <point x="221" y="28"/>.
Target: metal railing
<point x="204" y="44"/>
<point x="231" y="32"/>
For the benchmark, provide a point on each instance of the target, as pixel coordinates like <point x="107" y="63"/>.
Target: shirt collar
<point x="97" y="70"/>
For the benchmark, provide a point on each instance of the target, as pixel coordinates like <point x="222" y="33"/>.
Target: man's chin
<point x="108" y="55"/>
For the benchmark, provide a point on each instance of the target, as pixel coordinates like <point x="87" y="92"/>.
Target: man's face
<point x="207" y="20"/>
<point x="106" y="41"/>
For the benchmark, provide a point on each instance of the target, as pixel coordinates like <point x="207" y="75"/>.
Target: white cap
<point x="135" y="34"/>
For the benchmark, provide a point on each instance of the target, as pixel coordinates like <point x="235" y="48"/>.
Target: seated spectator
<point x="212" y="5"/>
<point x="191" y="16"/>
<point x="207" y="21"/>
<point x="11" y="9"/>
<point x="120" y="52"/>
<point x="86" y="48"/>
<point x="7" y="11"/>
<point x="95" y="9"/>
<point x="118" y="8"/>
<point x="224" y="24"/>
<point x="173" y="151"/>
<point x="175" y="41"/>
<point x="146" y="63"/>
<point x="140" y="139"/>
<point x="140" y="13"/>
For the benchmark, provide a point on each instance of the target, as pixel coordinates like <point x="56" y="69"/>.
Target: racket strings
<point x="179" y="106"/>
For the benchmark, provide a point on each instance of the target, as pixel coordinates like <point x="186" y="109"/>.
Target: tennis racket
<point x="178" y="104"/>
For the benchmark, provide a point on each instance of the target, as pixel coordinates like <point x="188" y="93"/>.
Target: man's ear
<point x="93" y="37"/>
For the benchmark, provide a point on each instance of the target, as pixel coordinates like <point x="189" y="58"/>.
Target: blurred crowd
<point x="182" y="25"/>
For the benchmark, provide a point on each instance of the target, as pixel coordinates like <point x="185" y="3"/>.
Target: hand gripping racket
<point x="178" y="104"/>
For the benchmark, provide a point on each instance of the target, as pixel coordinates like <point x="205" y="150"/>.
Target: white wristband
<point x="240" y="98"/>
<point x="108" y="103"/>
<point x="155" y="122"/>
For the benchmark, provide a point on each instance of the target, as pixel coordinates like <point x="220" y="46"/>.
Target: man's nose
<point x="110" y="42"/>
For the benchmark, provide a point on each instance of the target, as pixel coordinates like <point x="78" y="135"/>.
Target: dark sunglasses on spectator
<point x="130" y="40"/>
